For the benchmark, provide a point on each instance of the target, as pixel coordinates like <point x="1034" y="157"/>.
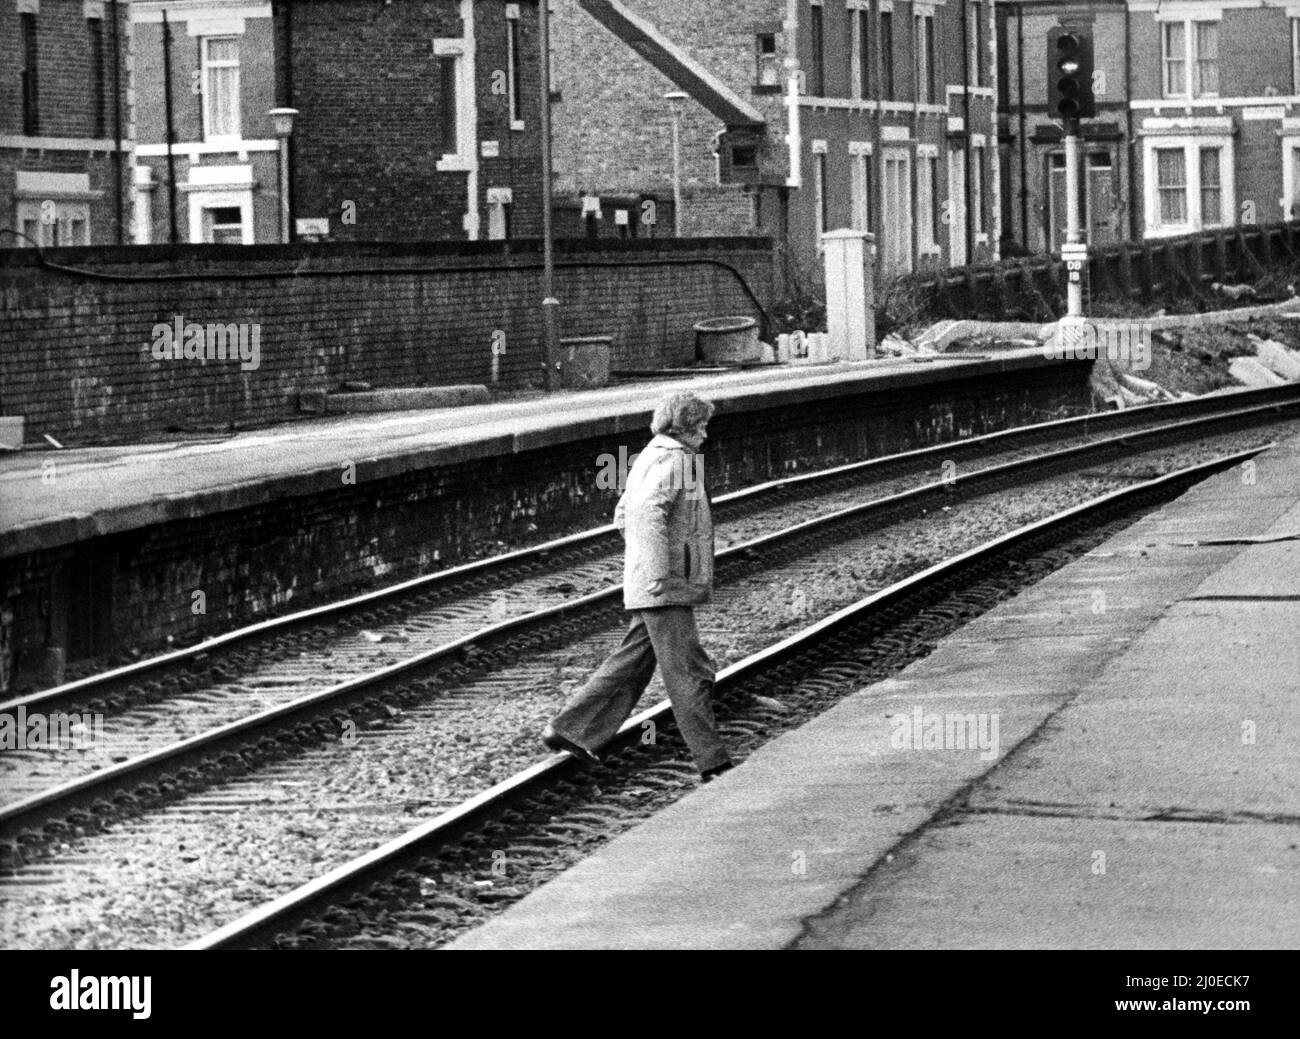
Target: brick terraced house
<point x="225" y="153"/>
<point x="65" y="135"/>
<point x="801" y="116"/>
<point x="1197" y="126"/>
<point x="418" y="119"/>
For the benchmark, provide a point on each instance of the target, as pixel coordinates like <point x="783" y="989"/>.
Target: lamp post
<point x="675" y="98"/>
<point x="282" y="122"/>
<point x="550" y="303"/>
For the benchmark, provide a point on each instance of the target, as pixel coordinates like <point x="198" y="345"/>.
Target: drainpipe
<point x="117" y="121"/>
<point x="171" y="130"/>
<point x="965" y="122"/>
<point x="995" y="174"/>
<point x="1128" y="125"/>
<point x="877" y="185"/>
<point x="1024" y="166"/>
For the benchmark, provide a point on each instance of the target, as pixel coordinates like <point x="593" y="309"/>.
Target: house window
<point x="220" y="87"/>
<point x="31" y="105"/>
<point x="885" y="60"/>
<point x="445" y="121"/>
<point x="1174" y="58"/>
<point x="857" y="60"/>
<point x="50" y="224"/>
<point x="1211" y="188"/>
<point x="977" y="188"/>
<point x="817" y="37"/>
<point x="768" y="65"/>
<point x="925" y="57"/>
<point x="1295" y="55"/>
<point x="925" y="232"/>
<point x="1190" y="45"/>
<point x="744" y="157"/>
<point x="223" y="225"/>
<point x="931" y="165"/>
<point x="1171" y="185"/>
<point x="1205" y="81"/>
<point x="514" y="86"/>
<point x="864" y="53"/>
<point x="976" y="73"/>
<point x="98" y="99"/>
<point x="822" y="198"/>
<point x="860" y="190"/>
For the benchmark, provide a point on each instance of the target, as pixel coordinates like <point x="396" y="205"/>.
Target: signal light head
<point x="1068" y="65"/>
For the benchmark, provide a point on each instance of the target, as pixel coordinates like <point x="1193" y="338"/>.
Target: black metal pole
<point x="550" y="304"/>
<point x="117" y="123"/>
<point x="171" y="132"/>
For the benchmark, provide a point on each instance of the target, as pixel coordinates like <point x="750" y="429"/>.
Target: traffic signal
<point x="1069" y="73"/>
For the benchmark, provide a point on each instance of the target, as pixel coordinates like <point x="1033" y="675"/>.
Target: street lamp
<point x="282" y="122"/>
<point x="675" y="99"/>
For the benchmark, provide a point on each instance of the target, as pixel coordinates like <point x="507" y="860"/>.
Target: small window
<point x="31" y="93"/>
<point x="1171" y="185"/>
<point x="768" y="71"/>
<point x="221" y="86"/>
<point x="1211" y="188"/>
<point x="744" y="156"/>
<point x="885" y="61"/>
<point x="448" y="142"/>
<point x="514" y="74"/>
<point x="98" y="94"/>
<point x="817" y="37"/>
<point x="223" y="225"/>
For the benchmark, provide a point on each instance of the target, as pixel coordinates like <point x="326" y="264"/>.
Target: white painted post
<point x="850" y="322"/>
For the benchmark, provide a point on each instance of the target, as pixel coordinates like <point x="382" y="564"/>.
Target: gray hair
<point x="680" y="412"/>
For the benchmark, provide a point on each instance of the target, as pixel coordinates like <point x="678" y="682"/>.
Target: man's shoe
<point x="717" y="770"/>
<point x="558" y="743"/>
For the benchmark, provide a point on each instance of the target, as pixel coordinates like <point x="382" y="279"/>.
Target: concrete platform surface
<point x="1137" y="783"/>
<point x="49" y="498"/>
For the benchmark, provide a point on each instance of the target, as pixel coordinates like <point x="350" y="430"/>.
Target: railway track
<point x="409" y="884"/>
<point x="320" y="665"/>
<point x="168" y="714"/>
<point x="464" y="678"/>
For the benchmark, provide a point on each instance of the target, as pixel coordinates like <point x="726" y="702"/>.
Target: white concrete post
<point x="850" y="321"/>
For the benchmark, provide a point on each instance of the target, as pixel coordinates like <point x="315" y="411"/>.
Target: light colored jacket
<point x="665" y="520"/>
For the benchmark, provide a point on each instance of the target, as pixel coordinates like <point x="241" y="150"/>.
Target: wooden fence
<point x="1161" y="269"/>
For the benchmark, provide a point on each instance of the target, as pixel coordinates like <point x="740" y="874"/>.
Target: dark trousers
<point x="666" y="635"/>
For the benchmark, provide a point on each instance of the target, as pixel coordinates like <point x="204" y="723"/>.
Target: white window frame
<point x="1189" y="58"/>
<point x="512" y="65"/>
<point x="206" y="65"/>
<point x="924" y="74"/>
<point x="1191" y="144"/>
<point x="1290" y="181"/>
<point x="463" y="158"/>
<point x="55" y="234"/>
<point x="1295" y="55"/>
<point x="821" y="201"/>
<point x="927" y="174"/>
<point x="239" y="199"/>
<point x="904" y="247"/>
<point x="978" y="189"/>
<point x="860" y="160"/>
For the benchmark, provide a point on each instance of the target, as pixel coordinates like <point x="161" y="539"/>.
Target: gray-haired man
<point x="668" y="570"/>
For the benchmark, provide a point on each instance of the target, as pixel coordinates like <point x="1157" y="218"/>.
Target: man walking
<point x="668" y="570"/>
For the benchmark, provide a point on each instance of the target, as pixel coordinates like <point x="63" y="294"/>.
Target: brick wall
<point x="78" y="361"/>
<point x="136" y="589"/>
<point x="65" y="110"/>
<point x="363" y="78"/>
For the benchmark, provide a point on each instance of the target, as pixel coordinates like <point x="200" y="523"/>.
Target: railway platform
<point x="1120" y="774"/>
<point x="96" y="491"/>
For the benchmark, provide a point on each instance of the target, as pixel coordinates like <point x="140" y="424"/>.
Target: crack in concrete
<point x="1146" y="814"/>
